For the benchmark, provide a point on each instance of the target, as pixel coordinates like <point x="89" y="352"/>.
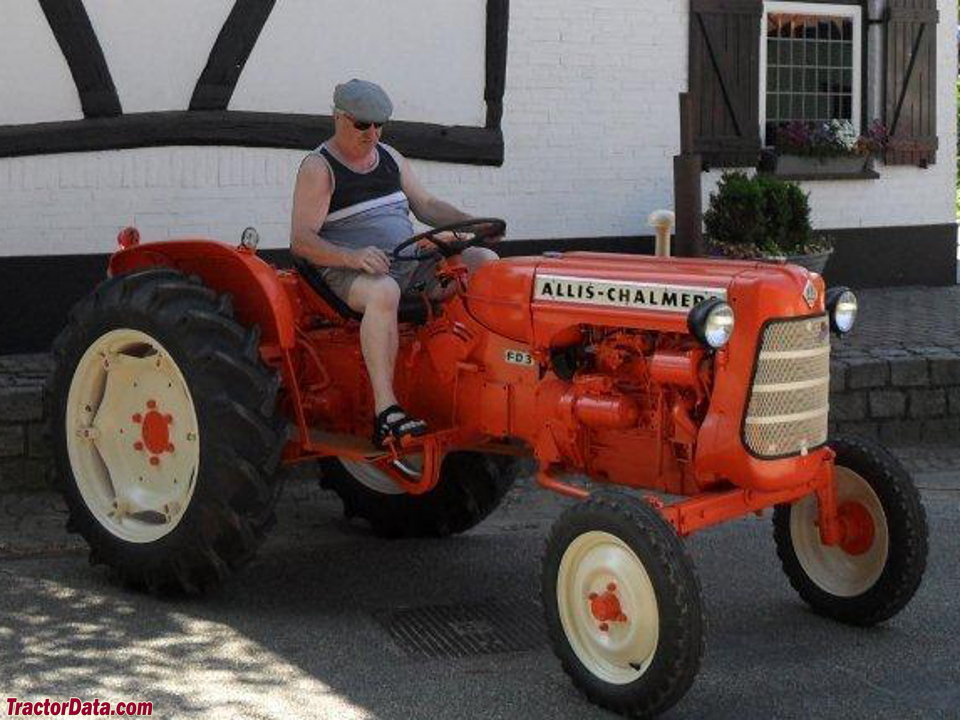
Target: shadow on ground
<point x="299" y="633"/>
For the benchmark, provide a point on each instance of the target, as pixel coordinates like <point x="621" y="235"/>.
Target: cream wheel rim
<point x="617" y="647"/>
<point x="132" y="436"/>
<point x="832" y="568"/>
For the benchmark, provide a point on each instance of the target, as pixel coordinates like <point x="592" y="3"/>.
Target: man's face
<point x="357" y="137"/>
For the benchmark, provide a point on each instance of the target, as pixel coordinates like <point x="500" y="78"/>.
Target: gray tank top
<point x="366" y="208"/>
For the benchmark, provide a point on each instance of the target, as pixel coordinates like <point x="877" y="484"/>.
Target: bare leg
<point x="377" y="297"/>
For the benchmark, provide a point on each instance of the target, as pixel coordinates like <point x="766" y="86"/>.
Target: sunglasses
<point x="361" y="125"/>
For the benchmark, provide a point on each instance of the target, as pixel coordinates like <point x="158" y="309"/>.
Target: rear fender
<point x="258" y="296"/>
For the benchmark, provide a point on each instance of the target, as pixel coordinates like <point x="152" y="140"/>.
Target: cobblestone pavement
<point x="33" y="523"/>
<point x="909" y="317"/>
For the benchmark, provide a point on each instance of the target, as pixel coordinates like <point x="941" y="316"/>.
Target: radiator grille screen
<point x="789" y="400"/>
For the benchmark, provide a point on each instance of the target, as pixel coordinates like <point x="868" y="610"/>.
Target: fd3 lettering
<point x="518" y="357"/>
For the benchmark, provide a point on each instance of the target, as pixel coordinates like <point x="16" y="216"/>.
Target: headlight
<point x="711" y="322"/>
<point x="842" y="307"/>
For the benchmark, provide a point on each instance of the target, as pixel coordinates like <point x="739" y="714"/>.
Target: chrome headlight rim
<point x="708" y="312"/>
<point x="842" y="307"/>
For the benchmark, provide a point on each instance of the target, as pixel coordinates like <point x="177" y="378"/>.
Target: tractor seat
<point x="412" y="309"/>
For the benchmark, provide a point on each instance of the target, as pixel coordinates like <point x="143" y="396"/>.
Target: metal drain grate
<point x="452" y="631"/>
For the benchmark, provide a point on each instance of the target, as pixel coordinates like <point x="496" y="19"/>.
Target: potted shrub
<point x="806" y="148"/>
<point x="763" y="217"/>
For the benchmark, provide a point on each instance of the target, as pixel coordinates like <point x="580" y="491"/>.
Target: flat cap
<point x="366" y="101"/>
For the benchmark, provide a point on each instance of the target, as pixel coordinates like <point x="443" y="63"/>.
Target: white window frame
<point x="815" y="8"/>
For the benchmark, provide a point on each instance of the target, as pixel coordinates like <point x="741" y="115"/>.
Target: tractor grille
<point x="787" y="412"/>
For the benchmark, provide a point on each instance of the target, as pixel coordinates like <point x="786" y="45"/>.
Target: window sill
<point x="805" y="168"/>
<point x="806" y="177"/>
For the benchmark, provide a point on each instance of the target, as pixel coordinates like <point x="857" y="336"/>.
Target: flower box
<point x="833" y="149"/>
<point x="805" y="165"/>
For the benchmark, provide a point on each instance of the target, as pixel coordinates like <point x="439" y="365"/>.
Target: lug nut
<point x="612" y="587"/>
<point x="137" y="418"/>
<point x="151" y="404"/>
<point x="138" y="445"/>
<point x="604" y="627"/>
<point x="154" y="460"/>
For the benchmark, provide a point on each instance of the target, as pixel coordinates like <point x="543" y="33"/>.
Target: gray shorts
<point x="412" y="277"/>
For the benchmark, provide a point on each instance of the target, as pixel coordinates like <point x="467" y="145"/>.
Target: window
<point x="810" y="64"/>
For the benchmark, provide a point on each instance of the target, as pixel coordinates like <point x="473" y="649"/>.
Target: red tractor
<point x="691" y="392"/>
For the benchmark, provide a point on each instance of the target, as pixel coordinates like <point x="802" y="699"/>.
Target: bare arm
<point x="428" y="209"/>
<point x="311" y="203"/>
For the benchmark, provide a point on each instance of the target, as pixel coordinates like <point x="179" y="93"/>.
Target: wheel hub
<point x="606" y="607"/>
<point x="858" y="528"/>
<point x="155" y="432"/>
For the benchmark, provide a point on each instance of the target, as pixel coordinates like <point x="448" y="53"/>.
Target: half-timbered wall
<point x="590" y="121"/>
<point x="589" y="118"/>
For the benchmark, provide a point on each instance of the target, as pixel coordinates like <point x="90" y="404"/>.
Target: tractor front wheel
<point x="622" y="604"/>
<point x="872" y="574"/>
<point x="163" y="424"/>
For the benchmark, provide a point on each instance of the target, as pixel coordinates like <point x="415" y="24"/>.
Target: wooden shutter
<point x="910" y="84"/>
<point x="725" y="80"/>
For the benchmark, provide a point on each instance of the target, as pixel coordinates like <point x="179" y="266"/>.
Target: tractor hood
<point x="534" y="299"/>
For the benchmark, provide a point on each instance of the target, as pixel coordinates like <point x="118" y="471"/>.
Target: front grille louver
<point x="790" y="396"/>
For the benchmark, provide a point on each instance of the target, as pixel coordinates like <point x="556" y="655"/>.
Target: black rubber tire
<point x="235" y="397"/>
<point x="471" y="486"/>
<point x="681" y="641"/>
<point x="906" y="526"/>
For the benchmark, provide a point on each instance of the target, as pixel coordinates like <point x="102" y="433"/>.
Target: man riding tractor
<point x="351" y="207"/>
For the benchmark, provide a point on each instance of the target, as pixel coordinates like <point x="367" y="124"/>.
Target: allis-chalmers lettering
<point x="591" y="291"/>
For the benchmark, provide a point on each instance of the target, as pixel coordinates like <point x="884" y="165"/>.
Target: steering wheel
<point x="476" y="232"/>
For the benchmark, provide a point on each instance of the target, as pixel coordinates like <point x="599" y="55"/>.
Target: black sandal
<point x="403" y="426"/>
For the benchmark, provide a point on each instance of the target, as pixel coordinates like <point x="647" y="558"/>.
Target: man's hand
<point x="445" y="238"/>
<point x="371" y="260"/>
<point x="441" y="238"/>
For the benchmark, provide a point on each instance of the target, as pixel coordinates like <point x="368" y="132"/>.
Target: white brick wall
<point x="591" y="126"/>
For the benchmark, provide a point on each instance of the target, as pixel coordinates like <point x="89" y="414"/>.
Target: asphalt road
<point x="303" y="631"/>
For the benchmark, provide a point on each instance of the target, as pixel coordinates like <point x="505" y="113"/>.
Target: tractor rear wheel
<point x="471" y="486"/>
<point x="622" y="604"/>
<point x="875" y="571"/>
<point x="164" y="434"/>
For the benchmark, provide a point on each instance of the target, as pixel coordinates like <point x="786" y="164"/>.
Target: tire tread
<point x="234" y="499"/>
<point x="908" y="532"/>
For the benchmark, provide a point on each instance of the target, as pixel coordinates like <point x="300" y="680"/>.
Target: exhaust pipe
<point x="662" y="222"/>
